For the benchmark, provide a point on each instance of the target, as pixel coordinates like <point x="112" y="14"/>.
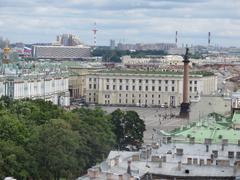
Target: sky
<point x="126" y="21"/>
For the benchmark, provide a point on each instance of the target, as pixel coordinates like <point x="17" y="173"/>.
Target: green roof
<point x="236" y="118"/>
<point x="211" y="129"/>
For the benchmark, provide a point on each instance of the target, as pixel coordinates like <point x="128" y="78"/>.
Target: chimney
<point x="179" y="166"/>
<point x="129" y="167"/>
<point x="185" y="106"/>
<point x="207" y="147"/>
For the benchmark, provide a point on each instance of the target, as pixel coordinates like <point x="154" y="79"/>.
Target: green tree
<point x="54" y="145"/>
<point x="128" y="127"/>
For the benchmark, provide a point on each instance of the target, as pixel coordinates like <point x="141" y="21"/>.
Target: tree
<point x="128" y="127"/>
<point x="54" y="145"/>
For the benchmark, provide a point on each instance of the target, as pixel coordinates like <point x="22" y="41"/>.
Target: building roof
<point x="215" y="128"/>
<point x="161" y="73"/>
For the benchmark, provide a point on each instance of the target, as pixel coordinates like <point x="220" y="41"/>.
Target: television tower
<point x="95" y="34"/>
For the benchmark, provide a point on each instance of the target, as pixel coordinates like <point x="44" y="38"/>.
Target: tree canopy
<point x="128" y="127"/>
<point x="39" y="140"/>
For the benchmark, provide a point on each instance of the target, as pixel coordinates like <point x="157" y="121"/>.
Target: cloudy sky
<point x="128" y="21"/>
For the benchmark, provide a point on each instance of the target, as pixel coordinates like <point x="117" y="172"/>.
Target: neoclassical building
<point x="145" y="88"/>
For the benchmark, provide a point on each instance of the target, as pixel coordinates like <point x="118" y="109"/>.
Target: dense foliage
<point x="115" y="55"/>
<point x="39" y="140"/>
<point x="129" y="128"/>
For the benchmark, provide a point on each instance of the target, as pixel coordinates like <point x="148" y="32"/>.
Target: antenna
<point x="95" y="34"/>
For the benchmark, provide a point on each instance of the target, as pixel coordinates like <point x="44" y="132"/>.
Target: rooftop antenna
<point x="95" y="34"/>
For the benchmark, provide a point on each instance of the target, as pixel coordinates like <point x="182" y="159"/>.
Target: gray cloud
<point x="134" y="21"/>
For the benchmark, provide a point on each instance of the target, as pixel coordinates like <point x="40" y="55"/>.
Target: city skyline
<point x="138" y="21"/>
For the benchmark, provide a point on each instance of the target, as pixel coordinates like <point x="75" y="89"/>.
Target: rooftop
<point x="165" y="73"/>
<point x="214" y="127"/>
<point x="163" y="161"/>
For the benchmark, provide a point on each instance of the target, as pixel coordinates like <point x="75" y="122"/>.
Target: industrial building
<point x="61" y="52"/>
<point x="145" y="88"/>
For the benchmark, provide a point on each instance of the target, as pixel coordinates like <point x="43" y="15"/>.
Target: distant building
<point x="143" y="47"/>
<point x="61" y="52"/>
<point x="112" y="44"/>
<point x="67" y="40"/>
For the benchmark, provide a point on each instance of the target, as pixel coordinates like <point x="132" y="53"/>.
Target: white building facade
<point x="34" y="80"/>
<point x="145" y="88"/>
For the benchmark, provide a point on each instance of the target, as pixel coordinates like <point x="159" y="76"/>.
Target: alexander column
<point x="185" y="106"/>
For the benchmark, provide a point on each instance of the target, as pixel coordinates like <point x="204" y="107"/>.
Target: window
<point x="146" y="81"/>
<point x="139" y="101"/>
<point x="126" y="95"/>
<point x="152" y="95"/>
<point x="166" y="88"/>
<point x="107" y="80"/>
<point x="159" y="102"/>
<point x="120" y="101"/>
<point x="133" y="101"/>
<point x="120" y="95"/>
<point x="126" y="101"/>
<point x="126" y="88"/>
<point x="90" y="79"/>
<point x="107" y="87"/>
<point x="120" y="80"/>
<point x="90" y="86"/>
<point x="173" y="89"/>
<point x="94" y="99"/>
<point x="190" y="89"/>
<point x="140" y="88"/>
<point x="127" y="80"/>
<point x="159" y="81"/>
<point x="195" y="82"/>
<point x="166" y="81"/>
<point x="114" y="80"/>
<point x="94" y="86"/>
<point x="94" y="79"/>
<point x="90" y="94"/>
<point x="133" y="95"/>
<point x="195" y="89"/>
<point x="159" y="88"/>
<point x="146" y="95"/>
<point x="173" y="82"/>
<point x="146" y="88"/>
<point x="133" y="80"/>
<point x="159" y="96"/>
<point x="139" y="95"/>
<point x="190" y="82"/>
<point x="140" y="81"/>
<point x="133" y="88"/>
<point x="114" y="87"/>
<point x="153" y="88"/>
<point x="90" y="99"/>
<point x="152" y="101"/>
<point x="120" y="87"/>
<point x="153" y="81"/>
